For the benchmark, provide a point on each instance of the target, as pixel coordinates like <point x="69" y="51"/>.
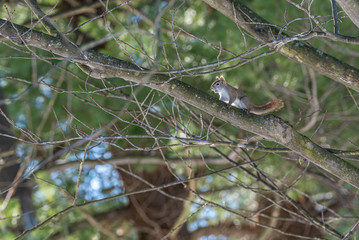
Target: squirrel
<point x="235" y="97"/>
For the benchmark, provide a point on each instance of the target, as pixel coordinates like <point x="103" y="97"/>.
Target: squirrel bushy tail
<point x="271" y="106"/>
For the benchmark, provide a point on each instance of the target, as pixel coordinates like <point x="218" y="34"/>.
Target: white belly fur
<point x="224" y="96"/>
<point x="239" y="104"/>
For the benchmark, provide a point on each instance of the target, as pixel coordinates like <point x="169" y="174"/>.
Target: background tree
<point x="109" y="104"/>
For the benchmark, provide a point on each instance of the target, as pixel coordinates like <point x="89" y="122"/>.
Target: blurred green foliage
<point x="75" y="111"/>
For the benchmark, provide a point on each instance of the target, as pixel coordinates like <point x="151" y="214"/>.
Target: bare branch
<point x="269" y="126"/>
<point x="297" y="51"/>
<point x="335" y="17"/>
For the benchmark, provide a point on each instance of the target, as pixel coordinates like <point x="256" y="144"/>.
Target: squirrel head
<point x="219" y="84"/>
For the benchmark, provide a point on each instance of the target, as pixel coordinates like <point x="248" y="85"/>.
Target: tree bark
<point x="351" y="8"/>
<point x="9" y="171"/>
<point x="297" y="51"/>
<point x="269" y="126"/>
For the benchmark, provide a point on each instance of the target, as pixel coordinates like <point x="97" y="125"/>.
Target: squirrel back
<point x="235" y="97"/>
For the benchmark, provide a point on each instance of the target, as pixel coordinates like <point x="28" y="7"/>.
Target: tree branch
<point x="294" y="50"/>
<point x="351" y="8"/>
<point x="270" y="127"/>
<point x="335" y="17"/>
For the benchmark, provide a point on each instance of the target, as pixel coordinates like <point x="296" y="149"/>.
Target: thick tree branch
<point x="351" y="8"/>
<point x="294" y="50"/>
<point x="270" y="127"/>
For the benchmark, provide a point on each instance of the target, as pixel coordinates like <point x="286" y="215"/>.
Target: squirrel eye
<point x="217" y="83"/>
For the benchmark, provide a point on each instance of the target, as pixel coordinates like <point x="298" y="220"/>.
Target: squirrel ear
<point x="217" y="78"/>
<point x="222" y="78"/>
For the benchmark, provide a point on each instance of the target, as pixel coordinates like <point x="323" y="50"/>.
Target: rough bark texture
<point x="270" y="127"/>
<point x="351" y="8"/>
<point x="294" y="50"/>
